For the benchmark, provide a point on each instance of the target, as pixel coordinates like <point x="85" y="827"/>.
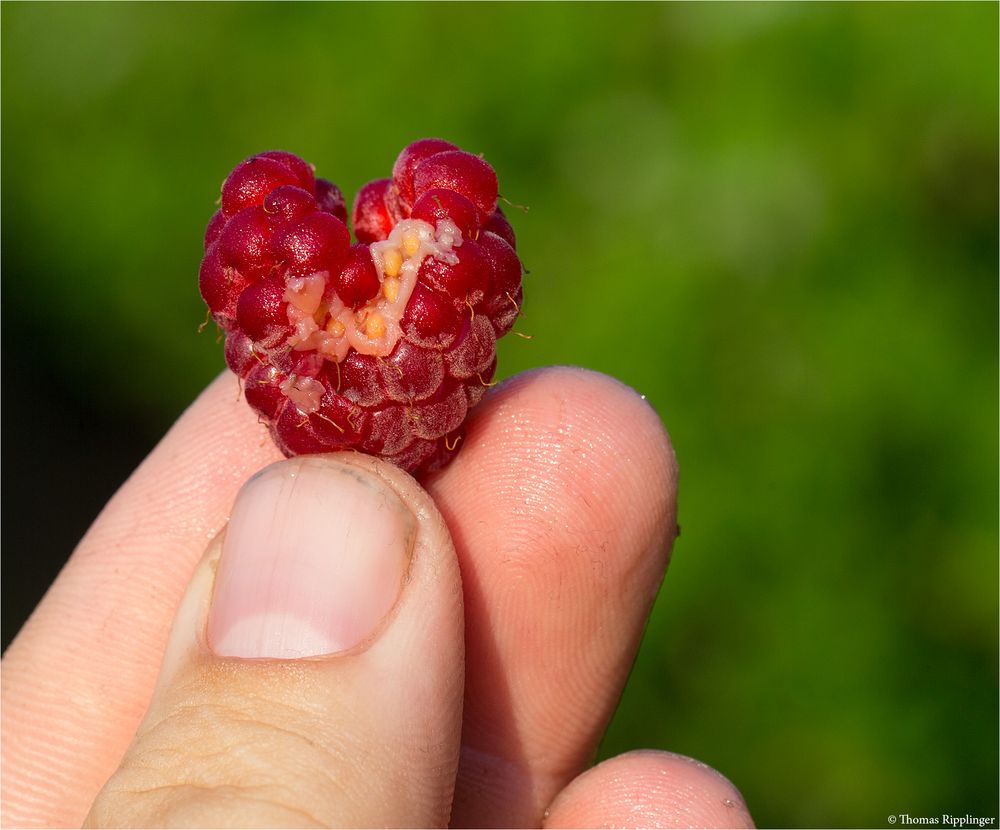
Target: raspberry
<point x="382" y="346"/>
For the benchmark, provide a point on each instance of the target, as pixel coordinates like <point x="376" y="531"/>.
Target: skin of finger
<point x="649" y="789"/>
<point x="369" y="737"/>
<point x="77" y="678"/>
<point x="562" y="506"/>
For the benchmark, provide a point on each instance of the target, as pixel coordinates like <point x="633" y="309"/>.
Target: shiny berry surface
<point x="381" y="346"/>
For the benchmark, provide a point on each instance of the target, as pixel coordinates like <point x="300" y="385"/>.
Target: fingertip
<point x="649" y="788"/>
<point x="568" y="430"/>
<point x="590" y="394"/>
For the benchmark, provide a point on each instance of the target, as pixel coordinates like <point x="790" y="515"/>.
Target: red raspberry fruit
<point x="382" y="346"/>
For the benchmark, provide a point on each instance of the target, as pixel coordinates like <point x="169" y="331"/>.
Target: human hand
<point x="519" y="581"/>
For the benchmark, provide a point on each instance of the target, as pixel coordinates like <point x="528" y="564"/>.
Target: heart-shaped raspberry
<point x="382" y="346"/>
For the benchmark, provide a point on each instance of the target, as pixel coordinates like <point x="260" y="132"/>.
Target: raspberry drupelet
<point x="382" y="346"/>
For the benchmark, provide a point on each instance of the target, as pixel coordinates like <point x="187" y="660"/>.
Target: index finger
<point x="77" y="678"/>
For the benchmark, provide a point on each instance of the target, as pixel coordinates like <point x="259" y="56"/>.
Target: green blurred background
<point x="779" y="222"/>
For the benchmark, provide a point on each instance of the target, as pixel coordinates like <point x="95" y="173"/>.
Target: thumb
<point x="314" y="672"/>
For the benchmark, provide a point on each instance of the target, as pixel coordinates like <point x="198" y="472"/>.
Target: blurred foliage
<point x="779" y="222"/>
